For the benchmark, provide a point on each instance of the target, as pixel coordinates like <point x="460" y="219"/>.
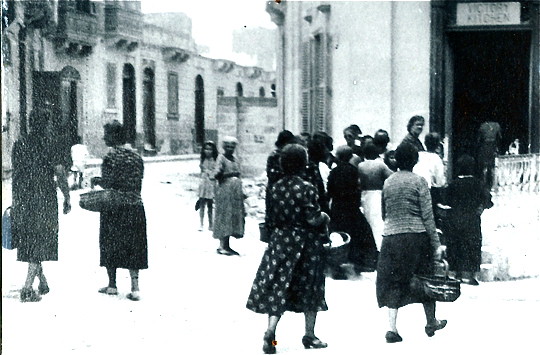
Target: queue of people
<point x="310" y="193"/>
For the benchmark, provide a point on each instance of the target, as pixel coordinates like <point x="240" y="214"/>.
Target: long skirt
<point x="229" y="209"/>
<point x="402" y="256"/>
<point x="371" y="203"/>
<point x="291" y="274"/>
<point x="122" y="238"/>
<point x="464" y="242"/>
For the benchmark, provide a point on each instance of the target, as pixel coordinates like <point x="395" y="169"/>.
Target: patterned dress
<point x="291" y="274"/>
<point x="208" y="183"/>
<point x="229" y="200"/>
<point x="122" y="233"/>
<point x="274" y="173"/>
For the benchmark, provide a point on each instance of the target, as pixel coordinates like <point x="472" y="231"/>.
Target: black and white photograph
<point x="270" y="177"/>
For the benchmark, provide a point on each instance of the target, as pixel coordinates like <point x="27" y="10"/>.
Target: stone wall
<point x="254" y="121"/>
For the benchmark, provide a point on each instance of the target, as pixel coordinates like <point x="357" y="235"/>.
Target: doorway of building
<point x="128" y="102"/>
<point x="490" y="83"/>
<point x="149" y="111"/>
<point x="68" y="103"/>
<point x="199" y="110"/>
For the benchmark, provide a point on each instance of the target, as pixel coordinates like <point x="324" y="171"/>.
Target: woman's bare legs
<point x="134" y="295"/>
<point x="210" y="215"/>
<point x="392" y="319"/>
<point x="27" y="292"/>
<point x="310" y="340"/>
<point x="269" y="345"/>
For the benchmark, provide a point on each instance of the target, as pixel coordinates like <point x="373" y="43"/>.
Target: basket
<point x="108" y="200"/>
<point x="438" y="288"/>
<point x="339" y="255"/>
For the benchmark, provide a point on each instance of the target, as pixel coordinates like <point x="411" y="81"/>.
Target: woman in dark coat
<point x="345" y="214"/>
<point x="291" y="276"/>
<point x="122" y="232"/>
<point x="410" y="242"/>
<point x="37" y="160"/>
<point x="468" y="197"/>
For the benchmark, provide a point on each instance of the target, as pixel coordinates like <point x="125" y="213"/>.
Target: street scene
<point x="270" y="177"/>
<point x="193" y="300"/>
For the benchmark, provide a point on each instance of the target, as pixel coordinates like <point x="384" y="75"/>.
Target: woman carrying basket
<point x="410" y="243"/>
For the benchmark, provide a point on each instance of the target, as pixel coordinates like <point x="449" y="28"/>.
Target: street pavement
<point x="193" y="300"/>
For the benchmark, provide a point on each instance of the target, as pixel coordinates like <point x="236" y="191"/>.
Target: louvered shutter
<point x="306" y="86"/>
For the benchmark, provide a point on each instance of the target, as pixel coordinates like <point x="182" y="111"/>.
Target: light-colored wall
<point x="380" y="63"/>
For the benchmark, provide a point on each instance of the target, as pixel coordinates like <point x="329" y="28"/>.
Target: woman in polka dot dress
<point x="291" y="274"/>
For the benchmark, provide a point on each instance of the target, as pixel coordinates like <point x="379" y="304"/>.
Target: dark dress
<point x="467" y="196"/>
<point x="35" y="201"/>
<point x="274" y="174"/>
<point x="345" y="215"/>
<point x="291" y="274"/>
<point x="312" y="175"/>
<point x="410" y="139"/>
<point x="122" y="234"/>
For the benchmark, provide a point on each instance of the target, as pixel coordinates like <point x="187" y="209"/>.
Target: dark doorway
<point x="199" y="110"/>
<point x="491" y="83"/>
<point x="149" y="111"/>
<point x="239" y="90"/>
<point x="68" y="104"/>
<point x="128" y="102"/>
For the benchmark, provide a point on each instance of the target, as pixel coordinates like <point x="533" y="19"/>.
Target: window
<point x="239" y="90"/>
<point x="261" y="92"/>
<point x="83" y="6"/>
<point x="111" y="85"/>
<point x="172" y="98"/>
<point x="316" y="84"/>
<point x="220" y="92"/>
<point x="273" y="88"/>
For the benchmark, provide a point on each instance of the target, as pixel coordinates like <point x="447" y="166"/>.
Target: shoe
<point x="133" y="296"/>
<point x="43" y="289"/>
<point x="227" y="252"/>
<point x="431" y="329"/>
<point x="201" y="228"/>
<point x="393" y="337"/>
<point x="108" y="290"/>
<point x="269" y="345"/>
<point x="29" y="295"/>
<point x="313" y="342"/>
<point x="471" y="282"/>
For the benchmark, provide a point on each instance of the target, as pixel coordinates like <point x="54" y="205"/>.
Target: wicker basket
<point x="438" y="288"/>
<point x="338" y="255"/>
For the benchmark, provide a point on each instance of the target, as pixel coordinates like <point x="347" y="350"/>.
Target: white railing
<point x="517" y="173"/>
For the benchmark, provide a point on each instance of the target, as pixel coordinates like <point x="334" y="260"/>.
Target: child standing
<point x="209" y="154"/>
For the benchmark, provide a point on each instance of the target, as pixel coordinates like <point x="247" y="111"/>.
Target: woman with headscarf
<point x="122" y="232"/>
<point x="229" y="198"/>
<point x="468" y="197"/>
<point x="410" y="243"/>
<point x="37" y="161"/>
<point x="291" y="274"/>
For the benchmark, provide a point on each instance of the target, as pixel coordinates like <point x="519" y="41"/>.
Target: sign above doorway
<point x="488" y="13"/>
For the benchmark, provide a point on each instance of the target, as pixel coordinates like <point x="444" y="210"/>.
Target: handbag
<point x="441" y="288"/>
<point x="7" y="235"/>
<point x="264" y="233"/>
<point x="108" y="200"/>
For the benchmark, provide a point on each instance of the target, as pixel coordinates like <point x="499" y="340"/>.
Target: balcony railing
<point x="123" y="24"/>
<point x="517" y="173"/>
<point x="76" y="28"/>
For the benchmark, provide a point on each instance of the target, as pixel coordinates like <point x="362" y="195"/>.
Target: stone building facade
<point x="94" y="61"/>
<point x="377" y="63"/>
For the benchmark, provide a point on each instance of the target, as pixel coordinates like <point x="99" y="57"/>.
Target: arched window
<point x="239" y="90"/>
<point x="261" y="92"/>
<point x="273" y="88"/>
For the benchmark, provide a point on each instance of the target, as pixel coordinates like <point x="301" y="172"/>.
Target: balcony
<point x="176" y="55"/>
<point x="123" y="27"/>
<point x="77" y="31"/>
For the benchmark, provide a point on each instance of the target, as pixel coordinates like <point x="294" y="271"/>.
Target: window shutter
<point x="306" y="86"/>
<point x="111" y="85"/>
<point x="172" y="90"/>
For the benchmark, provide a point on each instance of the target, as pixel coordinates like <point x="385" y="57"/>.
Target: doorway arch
<point x="149" y="110"/>
<point x="199" y="110"/>
<point x="239" y="90"/>
<point x="129" y="113"/>
<point x="69" y="78"/>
